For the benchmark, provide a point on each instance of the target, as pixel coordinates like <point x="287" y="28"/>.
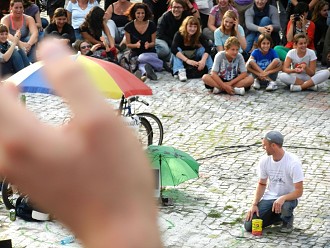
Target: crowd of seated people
<point x="185" y="37"/>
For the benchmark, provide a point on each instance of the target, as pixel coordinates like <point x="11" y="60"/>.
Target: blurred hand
<point x="90" y="173"/>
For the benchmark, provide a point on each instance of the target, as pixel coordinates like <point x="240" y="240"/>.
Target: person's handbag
<point x="189" y="54"/>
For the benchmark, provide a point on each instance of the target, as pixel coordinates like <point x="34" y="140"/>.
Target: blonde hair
<point x="194" y="39"/>
<point x="228" y="14"/>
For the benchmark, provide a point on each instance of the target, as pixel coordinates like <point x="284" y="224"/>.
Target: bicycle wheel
<point x="145" y="133"/>
<point x="156" y="125"/>
<point x="9" y="195"/>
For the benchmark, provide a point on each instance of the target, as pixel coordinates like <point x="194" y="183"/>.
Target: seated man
<point x="275" y="201"/>
<point x="168" y="25"/>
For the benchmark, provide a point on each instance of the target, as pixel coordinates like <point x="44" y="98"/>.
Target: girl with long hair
<point x="264" y="63"/>
<point x="60" y="28"/>
<point x="216" y="16"/>
<point x="189" y="47"/>
<point x="229" y="27"/>
<point x="319" y="17"/>
<point x="299" y="68"/>
<point x="140" y="34"/>
<point x="94" y="27"/>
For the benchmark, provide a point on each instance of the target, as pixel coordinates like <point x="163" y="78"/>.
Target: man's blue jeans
<point x="269" y="217"/>
<point x="253" y="36"/>
<point x="163" y="50"/>
<point x="178" y="63"/>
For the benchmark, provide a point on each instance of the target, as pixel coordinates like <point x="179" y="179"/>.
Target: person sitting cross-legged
<point x="303" y="60"/>
<point x="228" y="72"/>
<point x="189" y="40"/>
<point x="264" y="63"/>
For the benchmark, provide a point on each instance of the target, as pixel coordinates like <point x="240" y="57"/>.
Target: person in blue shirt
<point x="264" y="63"/>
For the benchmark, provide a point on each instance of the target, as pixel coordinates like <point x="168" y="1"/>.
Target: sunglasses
<point x="84" y="47"/>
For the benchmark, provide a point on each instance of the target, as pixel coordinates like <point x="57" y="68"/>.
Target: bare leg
<point x="245" y="82"/>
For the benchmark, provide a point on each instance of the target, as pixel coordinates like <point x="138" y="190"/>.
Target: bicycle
<point x="151" y="127"/>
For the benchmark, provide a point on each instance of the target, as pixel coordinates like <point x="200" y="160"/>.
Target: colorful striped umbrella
<point x="112" y="80"/>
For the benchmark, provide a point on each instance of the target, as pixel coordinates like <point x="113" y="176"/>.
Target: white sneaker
<point x="271" y="86"/>
<point x="239" y="91"/>
<point x="216" y="90"/>
<point x="314" y="88"/>
<point x="182" y="75"/>
<point x="295" y="87"/>
<point x="256" y="84"/>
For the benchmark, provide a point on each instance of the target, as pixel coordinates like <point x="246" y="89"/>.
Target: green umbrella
<point x="175" y="166"/>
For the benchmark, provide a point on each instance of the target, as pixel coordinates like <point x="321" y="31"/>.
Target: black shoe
<point x="150" y="72"/>
<point x="287" y="227"/>
<point x="166" y="67"/>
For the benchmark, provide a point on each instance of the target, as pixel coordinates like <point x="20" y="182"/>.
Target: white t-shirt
<point x="78" y="14"/>
<point x="282" y="175"/>
<point x="296" y="60"/>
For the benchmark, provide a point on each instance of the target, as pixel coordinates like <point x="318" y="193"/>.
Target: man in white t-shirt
<point x="275" y="201"/>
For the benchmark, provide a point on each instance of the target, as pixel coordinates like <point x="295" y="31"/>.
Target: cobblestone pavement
<point x="223" y="132"/>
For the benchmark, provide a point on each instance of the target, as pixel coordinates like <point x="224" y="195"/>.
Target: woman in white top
<point x="77" y="11"/>
<point x="303" y="61"/>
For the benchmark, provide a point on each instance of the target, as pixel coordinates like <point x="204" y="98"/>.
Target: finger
<point x="257" y="212"/>
<point x="70" y="80"/>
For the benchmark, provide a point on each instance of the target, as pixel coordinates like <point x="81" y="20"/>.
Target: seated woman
<point x="264" y="63"/>
<point x="85" y="47"/>
<point x="228" y="72"/>
<point x="230" y="27"/>
<point x="12" y="60"/>
<point x="189" y="47"/>
<point x="216" y="16"/>
<point x="94" y="27"/>
<point x="77" y="11"/>
<point x="302" y="60"/>
<point x="140" y="35"/>
<point x="298" y="24"/>
<point x="115" y="12"/>
<point x="60" y="28"/>
<point x="16" y="20"/>
<point x="32" y="10"/>
<point x="319" y="17"/>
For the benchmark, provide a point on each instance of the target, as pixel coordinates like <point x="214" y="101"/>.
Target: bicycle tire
<point x="156" y="125"/>
<point x="9" y="196"/>
<point x="145" y="133"/>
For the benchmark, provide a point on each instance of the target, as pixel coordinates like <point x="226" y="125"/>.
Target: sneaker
<point x="256" y="84"/>
<point x="216" y="90"/>
<point x="294" y="88"/>
<point x="150" y="72"/>
<point x="314" y="88"/>
<point x="176" y="76"/>
<point x="182" y="75"/>
<point x="271" y="86"/>
<point x="239" y="91"/>
<point x="287" y="227"/>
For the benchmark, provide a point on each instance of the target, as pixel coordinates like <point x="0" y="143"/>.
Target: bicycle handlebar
<point x="137" y="99"/>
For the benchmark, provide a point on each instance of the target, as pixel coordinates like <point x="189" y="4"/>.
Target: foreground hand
<point x="91" y="173"/>
<point x="253" y="210"/>
<point x="192" y="62"/>
<point x="277" y="205"/>
<point x="228" y="89"/>
<point x="201" y="65"/>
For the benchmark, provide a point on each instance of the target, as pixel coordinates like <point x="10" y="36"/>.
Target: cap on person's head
<point x="274" y="137"/>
